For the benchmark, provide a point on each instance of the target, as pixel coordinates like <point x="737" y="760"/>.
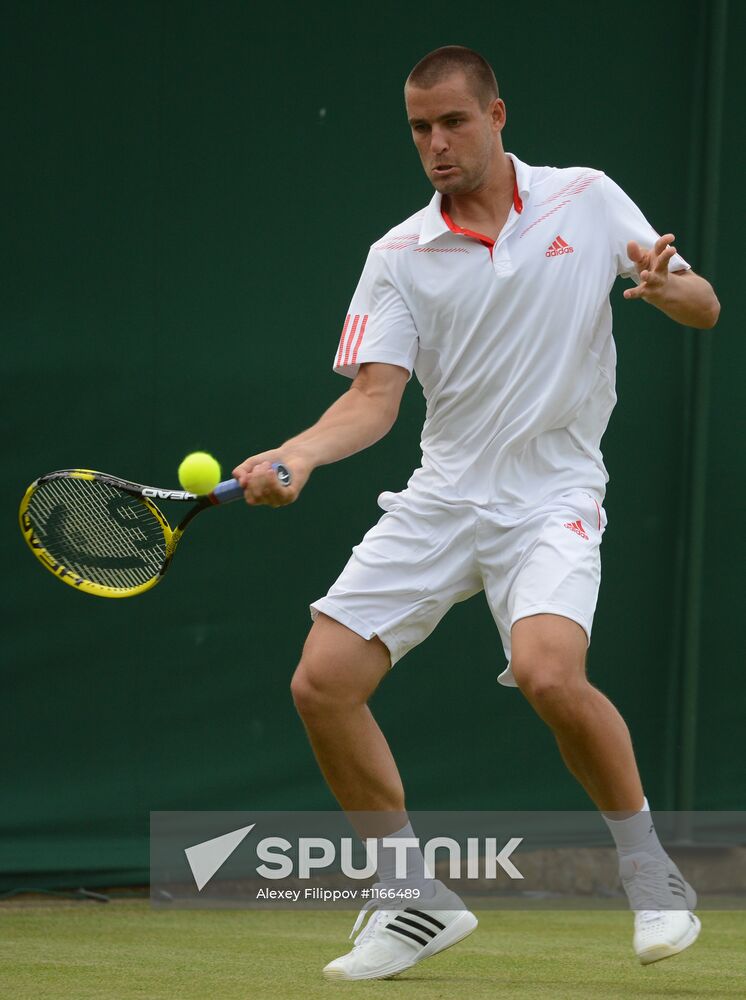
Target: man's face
<point x="456" y="138"/>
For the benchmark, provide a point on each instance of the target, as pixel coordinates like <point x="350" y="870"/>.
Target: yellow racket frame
<point x="171" y="536"/>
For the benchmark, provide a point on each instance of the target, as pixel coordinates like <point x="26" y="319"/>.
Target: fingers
<point x="247" y="467"/>
<point x="651" y="258"/>
<point x="261" y="486"/>
<point x="652" y="266"/>
<point x="662" y="242"/>
<point x="651" y="280"/>
<point x="260" y="483"/>
<point x="664" y="253"/>
<point x="634" y="252"/>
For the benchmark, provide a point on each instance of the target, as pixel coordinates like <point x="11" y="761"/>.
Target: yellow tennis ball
<point x="199" y="472"/>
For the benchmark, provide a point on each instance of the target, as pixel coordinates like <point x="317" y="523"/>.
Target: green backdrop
<point x="192" y="189"/>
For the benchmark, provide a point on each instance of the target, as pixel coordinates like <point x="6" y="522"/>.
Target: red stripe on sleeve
<point x="359" y="338"/>
<point x="350" y="338"/>
<point x="341" y="342"/>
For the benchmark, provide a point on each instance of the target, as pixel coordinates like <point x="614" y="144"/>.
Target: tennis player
<point x="496" y="295"/>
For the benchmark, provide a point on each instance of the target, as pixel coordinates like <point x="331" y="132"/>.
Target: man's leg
<point x="548" y="663"/>
<point x="337" y="674"/>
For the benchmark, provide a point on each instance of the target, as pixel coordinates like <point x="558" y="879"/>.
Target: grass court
<point x="125" y="950"/>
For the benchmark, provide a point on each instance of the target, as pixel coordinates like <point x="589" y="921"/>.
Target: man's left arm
<point x="684" y="296"/>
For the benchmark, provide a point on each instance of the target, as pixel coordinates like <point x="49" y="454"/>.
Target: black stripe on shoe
<point x="417" y="926"/>
<point x="425" y="916"/>
<point x="409" y="934"/>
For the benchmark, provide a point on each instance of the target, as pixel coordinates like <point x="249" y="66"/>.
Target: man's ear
<point x="498" y="114"/>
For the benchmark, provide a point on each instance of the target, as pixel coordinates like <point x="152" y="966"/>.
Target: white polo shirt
<point x="510" y="342"/>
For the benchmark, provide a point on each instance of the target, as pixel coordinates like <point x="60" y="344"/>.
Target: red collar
<point x="517" y="202"/>
<point x="484" y="240"/>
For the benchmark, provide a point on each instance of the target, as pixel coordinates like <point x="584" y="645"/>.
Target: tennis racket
<point x="106" y="536"/>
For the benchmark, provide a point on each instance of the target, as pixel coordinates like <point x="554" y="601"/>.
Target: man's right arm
<point x="359" y="418"/>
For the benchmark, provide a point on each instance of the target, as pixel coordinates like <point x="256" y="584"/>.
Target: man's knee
<point x="338" y="668"/>
<point x="548" y="681"/>
<point x="548" y="660"/>
<point x="305" y="693"/>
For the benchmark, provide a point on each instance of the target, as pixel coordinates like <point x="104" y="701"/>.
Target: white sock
<point x="636" y="834"/>
<point x="416" y="874"/>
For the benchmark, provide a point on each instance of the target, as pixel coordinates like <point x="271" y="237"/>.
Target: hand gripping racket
<point x="106" y="536"/>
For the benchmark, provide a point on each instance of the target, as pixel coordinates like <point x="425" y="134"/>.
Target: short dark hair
<point x="441" y="63"/>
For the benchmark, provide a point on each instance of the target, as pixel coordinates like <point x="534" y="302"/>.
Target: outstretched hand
<point x="652" y="267"/>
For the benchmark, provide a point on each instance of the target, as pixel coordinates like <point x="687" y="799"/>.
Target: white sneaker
<point x="662" y="901"/>
<point x="395" y="940"/>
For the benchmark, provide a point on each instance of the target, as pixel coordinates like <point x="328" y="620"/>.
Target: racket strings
<point x="98" y="532"/>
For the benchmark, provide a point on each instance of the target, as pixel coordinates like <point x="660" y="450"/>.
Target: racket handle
<point x="231" y="489"/>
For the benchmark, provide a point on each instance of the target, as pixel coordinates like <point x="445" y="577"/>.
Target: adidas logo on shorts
<point x="577" y="527"/>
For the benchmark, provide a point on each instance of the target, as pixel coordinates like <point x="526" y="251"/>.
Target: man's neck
<point x="486" y="209"/>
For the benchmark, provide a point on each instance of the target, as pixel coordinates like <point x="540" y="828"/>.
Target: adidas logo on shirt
<point x="558" y="247"/>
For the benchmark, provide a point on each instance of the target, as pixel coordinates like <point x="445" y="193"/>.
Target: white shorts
<point x="425" y="555"/>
